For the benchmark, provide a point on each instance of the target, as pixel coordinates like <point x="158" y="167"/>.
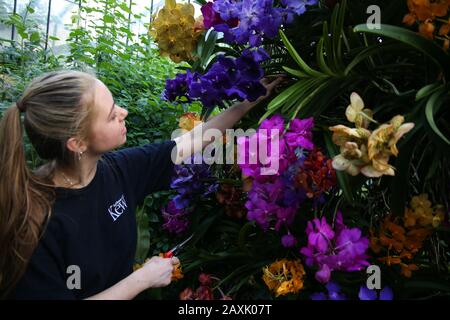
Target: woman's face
<point x="108" y="126"/>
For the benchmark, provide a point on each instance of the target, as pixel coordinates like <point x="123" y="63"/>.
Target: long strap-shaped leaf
<point x="294" y="54"/>
<point x="434" y="103"/>
<point x="429" y="48"/>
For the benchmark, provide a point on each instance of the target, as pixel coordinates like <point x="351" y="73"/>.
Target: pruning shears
<point x="177" y="248"/>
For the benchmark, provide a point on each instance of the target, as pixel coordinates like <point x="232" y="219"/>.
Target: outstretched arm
<point x="194" y="140"/>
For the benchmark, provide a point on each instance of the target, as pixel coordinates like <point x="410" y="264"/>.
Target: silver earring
<point x="80" y="155"/>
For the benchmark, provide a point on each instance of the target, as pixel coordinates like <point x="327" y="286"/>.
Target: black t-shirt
<point x="94" y="228"/>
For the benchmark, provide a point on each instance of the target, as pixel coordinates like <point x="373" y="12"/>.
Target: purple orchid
<point x="300" y="134"/>
<point x="367" y="294"/>
<point x="192" y="180"/>
<point x="333" y="293"/>
<point x="288" y="241"/>
<point x="176" y="221"/>
<point x="340" y="249"/>
<point x="257" y="19"/>
<point x="227" y="79"/>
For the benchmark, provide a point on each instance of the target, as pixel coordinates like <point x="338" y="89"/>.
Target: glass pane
<point x="6" y="7"/>
<point x="36" y="21"/>
<point x="60" y="22"/>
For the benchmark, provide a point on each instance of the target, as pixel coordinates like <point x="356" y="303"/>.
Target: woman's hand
<point x="270" y="85"/>
<point x="156" y="272"/>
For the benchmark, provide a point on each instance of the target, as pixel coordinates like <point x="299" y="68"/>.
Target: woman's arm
<point x="155" y="273"/>
<point x="193" y="141"/>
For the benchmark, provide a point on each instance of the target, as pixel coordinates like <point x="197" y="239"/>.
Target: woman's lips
<point x="124" y="131"/>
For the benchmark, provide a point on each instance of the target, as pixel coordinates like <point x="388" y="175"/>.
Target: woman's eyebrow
<point x="112" y="108"/>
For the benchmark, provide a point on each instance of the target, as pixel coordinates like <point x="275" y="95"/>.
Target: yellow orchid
<point x="382" y="142"/>
<point x="363" y="151"/>
<point x="353" y="149"/>
<point x="343" y="134"/>
<point x="189" y="120"/>
<point x="284" y="276"/>
<point x="176" y="31"/>
<point x="356" y="113"/>
<point x="351" y="159"/>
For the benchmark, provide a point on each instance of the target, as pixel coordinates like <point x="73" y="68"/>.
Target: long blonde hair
<point x="56" y="106"/>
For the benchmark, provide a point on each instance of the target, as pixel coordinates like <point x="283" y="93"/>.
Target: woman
<point x="74" y="216"/>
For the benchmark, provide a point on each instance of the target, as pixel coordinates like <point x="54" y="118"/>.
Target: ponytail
<point x="25" y="202"/>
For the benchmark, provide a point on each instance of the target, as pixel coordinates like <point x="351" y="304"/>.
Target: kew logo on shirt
<point x="118" y="208"/>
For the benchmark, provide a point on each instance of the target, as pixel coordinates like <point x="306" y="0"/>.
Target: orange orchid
<point x="284" y="276"/>
<point x="399" y="244"/>
<point x="428" y="14"/>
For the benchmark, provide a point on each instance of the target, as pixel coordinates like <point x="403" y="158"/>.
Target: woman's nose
<point x="124" y="113"/>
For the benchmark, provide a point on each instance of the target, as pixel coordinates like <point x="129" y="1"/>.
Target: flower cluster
<point x="176" y="221"/>
<point x="284" y="276"/>
<point x="247" y="21"/>
<point x="301" y="173"/>
<point x="422" y="213"/>
<point x="316" y="176"/>
<point x="191" y="181"/>
<point x="338" y="248"/>
<point x="290" y="147"/>
<point x="363" y="151"/>
<point x="204" y="291"/>
<point x="430" y="14"/>
<point x="176" y="31"/>
<point x="227" y="79"/>
<point x="397" y="244"/>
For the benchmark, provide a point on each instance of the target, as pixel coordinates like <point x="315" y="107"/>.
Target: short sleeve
<point x="45" y="277"/>
<point x="147" y="168"/>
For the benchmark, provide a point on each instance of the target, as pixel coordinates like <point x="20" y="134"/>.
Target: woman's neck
<point x="78" y="177"/>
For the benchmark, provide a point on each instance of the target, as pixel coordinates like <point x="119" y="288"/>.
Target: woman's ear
<point x="76" y="145"/>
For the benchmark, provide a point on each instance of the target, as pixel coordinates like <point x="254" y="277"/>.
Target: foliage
<point x="398" y="72"/>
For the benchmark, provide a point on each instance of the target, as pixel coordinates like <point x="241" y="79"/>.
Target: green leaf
<point x="317" y="87"/>
<point x="109" y="19"/>
<point x="294" y="54"/>
<point x="427" y="90"/>
<point x="16" y="19"/>
<point x="209" y="46"/>
<point x="321" y="58"/>
<point x="35" y="37"/>
<point x="427" y="47"/>
<point x="296" y="73"/>
<point x="432" y="107"/>
<point x="283" y="96"/>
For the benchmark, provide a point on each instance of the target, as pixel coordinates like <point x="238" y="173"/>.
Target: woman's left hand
<point x="270" y="85"/>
